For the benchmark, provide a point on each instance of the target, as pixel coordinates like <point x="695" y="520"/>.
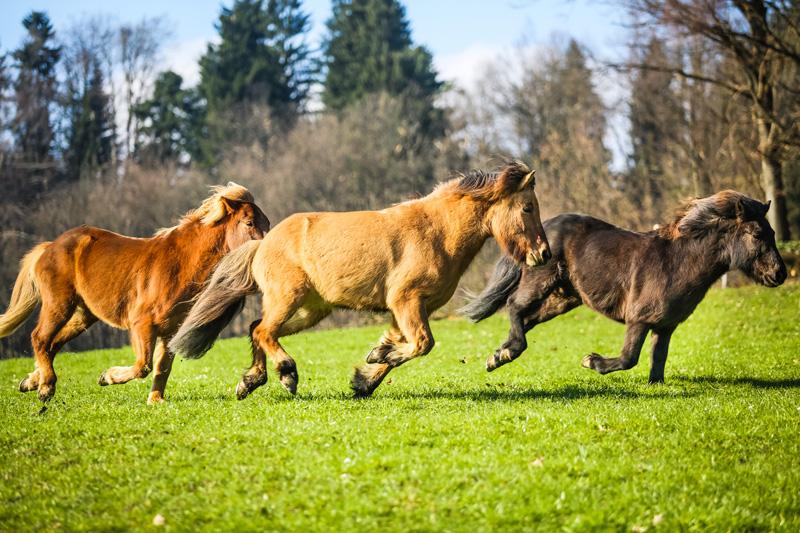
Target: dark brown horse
<point x="142" y="285"/>
<point x="649" y="281"/>
<point x="406" y="259"/>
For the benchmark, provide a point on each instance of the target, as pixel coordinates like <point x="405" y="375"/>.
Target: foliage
<point x="369" y="51"/>
<point x="260" y="61"/>
<point x="170" y="122"/>
<point x="541" y="444"/>
<point x="35" y="87"/>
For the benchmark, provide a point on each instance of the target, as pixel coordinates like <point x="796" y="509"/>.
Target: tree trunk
<point x="772" y="182"/>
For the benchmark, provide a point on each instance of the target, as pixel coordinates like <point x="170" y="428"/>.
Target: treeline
<point x="93" y="132"/>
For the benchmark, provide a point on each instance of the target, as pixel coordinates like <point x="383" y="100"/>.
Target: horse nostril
<point x="546" y="255"/>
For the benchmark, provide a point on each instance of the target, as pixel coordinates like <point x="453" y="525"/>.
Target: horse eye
<point x="528" y="208"/>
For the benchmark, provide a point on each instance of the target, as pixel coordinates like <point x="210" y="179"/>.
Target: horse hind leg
<point x="55" y="327"/>
<point x="390" y="338"/>
<point x="543" y="294"/>
<point x="288" y="313"/>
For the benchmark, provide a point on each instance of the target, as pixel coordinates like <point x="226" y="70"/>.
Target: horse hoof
<point x="289" y="382"/>
<point x="378" y="354"/>
<point x="46" y="392"/>
<point x="155" y="398"/>
<point x="590" y="361"/>
<point x="242" y="391"/>
<point x="103" y="380"/>
<point x="24" y="386"/>
<point x="361" y="385"/>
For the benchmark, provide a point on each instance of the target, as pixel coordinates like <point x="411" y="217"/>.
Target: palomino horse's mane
<point x="699" y="216"/>
<point x="487" y="185"/>
<point x="212" y="210"/>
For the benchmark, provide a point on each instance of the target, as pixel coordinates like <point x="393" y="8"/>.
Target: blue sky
<point x="457" y="32"/>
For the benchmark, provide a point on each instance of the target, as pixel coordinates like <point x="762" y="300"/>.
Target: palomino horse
<point x="142" y="285"/>
<point x="406" y="259"/>
<point x="649" y="281"/>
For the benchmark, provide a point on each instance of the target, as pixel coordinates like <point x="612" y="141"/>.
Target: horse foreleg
<point x="143" y="340"/>
<point x="658" y="355"/>
<point x="162" y="361"/>
<point x="412" y="320"/>
<point x="634" y="339"/>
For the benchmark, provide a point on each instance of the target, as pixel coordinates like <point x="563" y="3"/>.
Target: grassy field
<point x="539" y="444"/>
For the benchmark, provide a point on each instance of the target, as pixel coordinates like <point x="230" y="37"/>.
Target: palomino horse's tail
<point x="220" y="301"/>
<point x="504" y="281"/>
<point x="25" y="295"/>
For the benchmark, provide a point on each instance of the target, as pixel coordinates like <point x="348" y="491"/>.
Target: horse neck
<point x="462" y="220"/>
<point x="200" y="247"/>
<point x="702" y="261"/>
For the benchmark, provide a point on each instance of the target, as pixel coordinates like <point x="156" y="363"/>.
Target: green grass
<point x="538" y="444"/>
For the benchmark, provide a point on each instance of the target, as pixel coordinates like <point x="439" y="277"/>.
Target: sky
<point x="462" y="35"/>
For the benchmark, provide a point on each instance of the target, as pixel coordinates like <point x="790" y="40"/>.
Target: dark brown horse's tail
<point x="504" y="281"/>
<point x="220" y="301"/>
<point x="25" y="295"/>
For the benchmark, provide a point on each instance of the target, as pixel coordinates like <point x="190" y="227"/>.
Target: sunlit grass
<point x="539" y="444"/>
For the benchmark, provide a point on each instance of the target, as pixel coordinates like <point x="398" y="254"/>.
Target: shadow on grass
<point x="757" y="383"/>
<point x="494" y="394"/>
<point x="565" y="393"/>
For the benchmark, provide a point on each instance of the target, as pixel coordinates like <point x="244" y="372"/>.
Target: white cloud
<point x="465" y="68"/>
<point x="182" y="57"/>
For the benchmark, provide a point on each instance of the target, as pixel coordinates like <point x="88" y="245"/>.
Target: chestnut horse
<point x="142" y="285"/>
<point x="649" y="281"/>
<point x="406" y="259"/>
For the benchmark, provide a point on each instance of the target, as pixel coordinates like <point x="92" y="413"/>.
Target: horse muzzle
<point x="538" y="257"/>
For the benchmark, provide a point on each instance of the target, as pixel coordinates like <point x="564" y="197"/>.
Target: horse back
<point x="604" y="262"/>
<point x="108" y="271"/>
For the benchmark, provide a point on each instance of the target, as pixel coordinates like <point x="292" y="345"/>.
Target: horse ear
<point x="528" y="181"/>
<point x="230" y="205"/>
<point x="765" y="208"/>
<point x="741" y="210"/>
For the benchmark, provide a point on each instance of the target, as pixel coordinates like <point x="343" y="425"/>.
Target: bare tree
<point x="139" y="46"/>
<point x="761" y="38"/>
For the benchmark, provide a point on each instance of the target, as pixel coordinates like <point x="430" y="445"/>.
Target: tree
<point x="760" y="38"/>
<point x="168" y="121"/>
<point x="138" y="48"/>
<point x="369" y="50"/>
<point x="35" y="90"/>
<point x="88" y="109"/>
<point x="657" y="126"/>
<point x="91" y="131"/>
<point x="261" y="61"/>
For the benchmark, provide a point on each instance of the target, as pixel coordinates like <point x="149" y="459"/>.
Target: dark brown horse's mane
<point x="488" y="185"/>
<point x="700" y="216"/>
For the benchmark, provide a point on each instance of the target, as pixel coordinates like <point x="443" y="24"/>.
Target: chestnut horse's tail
<point x="220" y="301"/>
<point x="504" y="281"/>
<point x="25" y="295"/>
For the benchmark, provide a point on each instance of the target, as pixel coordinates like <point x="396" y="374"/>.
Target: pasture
<point x="539" y="444"/>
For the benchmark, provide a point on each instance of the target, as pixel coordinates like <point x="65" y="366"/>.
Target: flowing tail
<point x="504" y="281"/>
<point x="25" y="295"/>
<point x="220" y="301"/>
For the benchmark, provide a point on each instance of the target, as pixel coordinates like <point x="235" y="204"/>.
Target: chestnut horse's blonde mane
<point x="487" y="186"/>
<point x="212" y="210"/>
